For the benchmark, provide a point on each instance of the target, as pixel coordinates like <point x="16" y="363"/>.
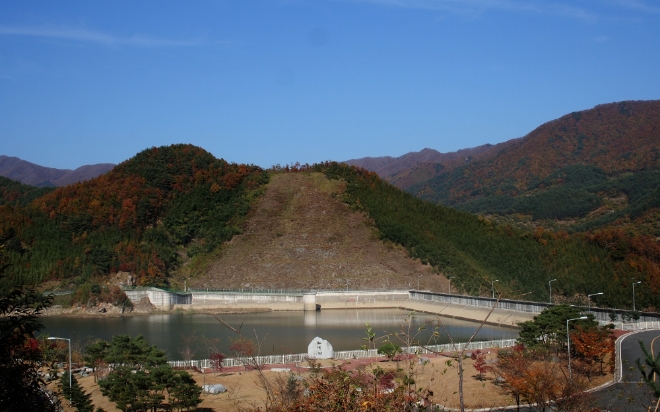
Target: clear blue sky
<point x="269" y="82"/>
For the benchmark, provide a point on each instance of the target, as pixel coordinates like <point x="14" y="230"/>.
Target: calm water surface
<point x="281" y="332"/>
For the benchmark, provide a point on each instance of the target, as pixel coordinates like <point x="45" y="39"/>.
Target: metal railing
<point x="286" y="291"/>
<point x="343" y="355"/>
<point x="634" y="325"/>
<point x="601" y="314"/>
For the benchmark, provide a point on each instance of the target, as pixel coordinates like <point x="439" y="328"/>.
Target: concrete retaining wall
<point x="500" y="317"/>
<point x="508" y="312"/>
<point x="361" y="299"/>
<point x="238" y="300"/>
<point x="601" y="314"/>
<point x="162" y="299"/>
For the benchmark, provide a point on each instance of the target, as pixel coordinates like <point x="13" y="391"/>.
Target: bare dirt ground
<point x="101" y="310"/>
<point x="245" y="393"/>
<point x="301" y="235"/>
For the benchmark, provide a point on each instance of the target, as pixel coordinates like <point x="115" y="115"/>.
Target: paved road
<point x="630" y="394"/>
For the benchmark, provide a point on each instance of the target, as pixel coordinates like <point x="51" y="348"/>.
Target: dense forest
<point x="591" y="169"/>
<point x="136" y="218"/>
<point x="476" y="251"/>
<point x="171" y="203"/>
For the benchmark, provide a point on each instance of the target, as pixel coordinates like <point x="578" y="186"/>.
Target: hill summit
<point x="300" y="234"/>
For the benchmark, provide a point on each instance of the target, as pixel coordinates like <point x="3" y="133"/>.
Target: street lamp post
<point x="635" y="283"/>
<point x="589" y="298"/>
<point x="347" y="284"/>
<point x="492" y="284"/>
<point x="449" y="279"/>
<point x="69" y="341"/>
<point x="568" y="336"/>
<point x="418" y="281"/>
<point x="550" y="285"/>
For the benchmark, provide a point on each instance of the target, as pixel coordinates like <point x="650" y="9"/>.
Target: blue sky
<point x="268" y="82"/>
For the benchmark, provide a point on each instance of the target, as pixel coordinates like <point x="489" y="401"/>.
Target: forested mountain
<point x="597" y="168"/>
<point x="178" y="204"/>
<point x="476" y="251"/>
<point x="40" y="176"/>
<point x="133" y="218"/>
<point x="415" y="167"/>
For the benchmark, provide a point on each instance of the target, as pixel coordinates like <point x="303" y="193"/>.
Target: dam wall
<point x="603" y="315"/>
<point x="361" y="299"/>
<point x="508" y="312"/>
<point x="162" y="299"/>
<point x="245" y="300"/>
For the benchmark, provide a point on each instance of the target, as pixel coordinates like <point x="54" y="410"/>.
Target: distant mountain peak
<point x="35" y="175"/>
<point x="422" y="164"/>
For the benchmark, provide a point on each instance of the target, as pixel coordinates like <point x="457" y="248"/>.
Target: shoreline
<point x="499" y="317"/>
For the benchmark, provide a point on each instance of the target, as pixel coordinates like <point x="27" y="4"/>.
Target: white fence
<point x="350" y="354"/>
<point x="634" y="325"/>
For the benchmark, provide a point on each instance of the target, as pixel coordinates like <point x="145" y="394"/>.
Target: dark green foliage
<point x="558" y="203"/>
<point x="17" y="194"/>
<point x="577" y="176"/>
<point x="21" y="386"/>
<point x="73" y="393"/>
<point x="133" y="352"/>
<point x="141" y="377"/>
<point x="438" y="189"/>
<point x="389" y="349"/>
<point x="548" y="329"/>
<point x="649" y="377"/>
<point x="568" y="193"/>
<point x="642" y="190"/>
<point x="132" y="219"/>
<point x="96" y="354"/>
<point x="476" y="251"/>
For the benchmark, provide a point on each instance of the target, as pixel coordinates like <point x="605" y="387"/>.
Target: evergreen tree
<point x="142" y="379"/>
<point x="21" y="384"/>
<point x="73" y="393"/>
<point x="649" y="378"/>
<point x="549" y="327"/>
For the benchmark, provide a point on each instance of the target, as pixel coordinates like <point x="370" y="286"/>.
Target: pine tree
<point x="79" y="399"/>
<point x="21" y="384"/>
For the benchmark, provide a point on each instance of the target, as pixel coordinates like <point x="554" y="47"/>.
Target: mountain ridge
<point x="40" y="176"/>
<point x="590" y="157"/>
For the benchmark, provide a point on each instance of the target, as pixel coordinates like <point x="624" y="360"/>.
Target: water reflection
<point x="281" y="332"/>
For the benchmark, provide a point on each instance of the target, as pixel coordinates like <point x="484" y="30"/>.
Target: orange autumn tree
<point x="593" y="344"/>
<point x="511" y="367"/>
<point x="539" y="383"/>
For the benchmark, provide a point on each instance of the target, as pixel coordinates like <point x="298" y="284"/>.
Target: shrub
<point x="389" y="349"/>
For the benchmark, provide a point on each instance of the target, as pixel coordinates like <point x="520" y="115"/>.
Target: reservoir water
<point x="281" y="332"/>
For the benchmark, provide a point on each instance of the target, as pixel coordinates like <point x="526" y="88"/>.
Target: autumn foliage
<point x="133" y="218"/>
<point x="475" y="249"/>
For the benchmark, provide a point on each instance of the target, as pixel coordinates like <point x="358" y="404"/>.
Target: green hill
<point x="136" y="218"/>
<point x="477" y="251"/>
<point x="152" y="213"/>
